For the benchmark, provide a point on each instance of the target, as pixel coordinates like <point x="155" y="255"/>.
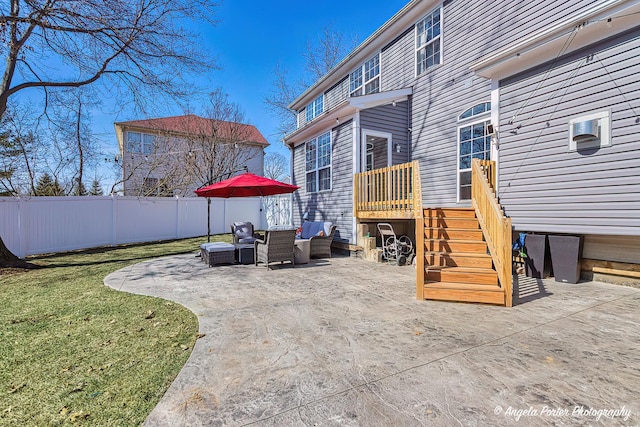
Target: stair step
<point x="457" y="259"/>
<point x="464" y="292"/>
<point x="453" y="233"/>
<point x="471" y="275"/>
<point x="450" y="213"/>
<point x="468" y="223"/>
<point x="461" y="286"/>
<point x="447" y="245"/>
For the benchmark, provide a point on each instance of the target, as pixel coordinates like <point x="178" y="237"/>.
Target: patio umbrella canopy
<point x="244" y="185"/>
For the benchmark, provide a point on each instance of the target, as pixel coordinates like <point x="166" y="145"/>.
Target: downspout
<point x="495" y="121"/>
<point x="290" y="181"/>
<point x="409" y="120"/>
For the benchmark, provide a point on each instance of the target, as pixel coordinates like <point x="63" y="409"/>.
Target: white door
<point x="376" y="150"/>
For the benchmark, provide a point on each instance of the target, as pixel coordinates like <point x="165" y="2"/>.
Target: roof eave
<point x="328" y="119"/>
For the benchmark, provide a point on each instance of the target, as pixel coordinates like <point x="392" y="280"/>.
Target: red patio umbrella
<point x="244" y="185"/>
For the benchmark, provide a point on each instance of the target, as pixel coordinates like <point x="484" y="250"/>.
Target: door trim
<point x="363" y="146"/>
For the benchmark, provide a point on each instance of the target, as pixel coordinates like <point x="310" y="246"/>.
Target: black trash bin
<point x="537" y="264"/>
<point x="565" y="257"/>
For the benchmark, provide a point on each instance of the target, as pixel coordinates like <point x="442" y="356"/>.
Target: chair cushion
<point x="217" y="247"/>
<point x="327" y="227"/>
<point x="315" y="228"/>
<point x="246" y="240"/>
<point x="306" y="229"/>
<point x="243" y="230"/>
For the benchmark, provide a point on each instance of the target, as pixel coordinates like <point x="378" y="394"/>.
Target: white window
<point x="366" y="78"/>
<point x="428" y="41"/>
<point x="315" y="108"/>
<point x="143" y="143"/>
<point x="318" y="163"/>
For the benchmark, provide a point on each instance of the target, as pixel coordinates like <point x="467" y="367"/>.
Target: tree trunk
<point x="8" y="259"/>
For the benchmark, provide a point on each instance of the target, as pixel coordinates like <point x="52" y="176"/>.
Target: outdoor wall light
<point x="398" y="148"/>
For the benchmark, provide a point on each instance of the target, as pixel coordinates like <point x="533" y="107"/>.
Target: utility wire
<point x="618" y="87"/>
<point x="562" y="51"/>
<point x="565" y="85"/>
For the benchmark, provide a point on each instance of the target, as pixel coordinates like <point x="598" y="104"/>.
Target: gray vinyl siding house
<point x="541" y="66"/>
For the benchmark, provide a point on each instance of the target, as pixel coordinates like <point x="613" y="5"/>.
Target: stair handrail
<point x="496" y="227"/>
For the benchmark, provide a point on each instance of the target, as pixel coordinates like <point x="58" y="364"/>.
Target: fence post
<point x="178" y="219"/>
<point x="114" y="219"/>
<point x="23" y="228"/>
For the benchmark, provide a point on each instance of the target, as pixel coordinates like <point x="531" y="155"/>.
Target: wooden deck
<point x="393" y="192"/>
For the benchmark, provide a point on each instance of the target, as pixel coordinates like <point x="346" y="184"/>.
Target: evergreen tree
<point x="80" y="190"/>
<point x="47" y="186"/>
<point x="96" y="188"/>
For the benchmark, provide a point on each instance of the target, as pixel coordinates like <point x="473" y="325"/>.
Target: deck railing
<point x="496" y="227"/>
<point x="391" y="192"/>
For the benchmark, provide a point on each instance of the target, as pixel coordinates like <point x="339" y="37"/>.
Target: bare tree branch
<point x="96" y="39"/>
<point x="320" y="56"/>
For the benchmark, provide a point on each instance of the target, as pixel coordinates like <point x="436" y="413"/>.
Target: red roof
<point x="195" y="125"/>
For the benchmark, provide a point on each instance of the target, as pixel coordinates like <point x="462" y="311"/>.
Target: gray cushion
<point x="243" y="230"/>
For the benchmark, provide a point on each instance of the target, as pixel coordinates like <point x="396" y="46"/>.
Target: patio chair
<point x="321" y="245"/>
<point x="320" y="234"/>
<point x="243" y="233"/>
<point x="278" y="245"/>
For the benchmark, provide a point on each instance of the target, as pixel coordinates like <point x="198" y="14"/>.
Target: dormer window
<point x="428" y="41"/>
<point x="315" y="108"/>
<point x="366" y="78"/>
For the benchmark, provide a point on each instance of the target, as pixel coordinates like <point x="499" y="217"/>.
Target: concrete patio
<point x="343" y="341"/>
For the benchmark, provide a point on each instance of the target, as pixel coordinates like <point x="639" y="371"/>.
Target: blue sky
<point x="252" y="36"/>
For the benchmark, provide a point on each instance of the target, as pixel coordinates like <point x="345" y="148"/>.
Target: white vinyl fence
<point x="37" y="225"/>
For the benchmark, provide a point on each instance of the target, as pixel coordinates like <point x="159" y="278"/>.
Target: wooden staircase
<point x="457" y="264"/>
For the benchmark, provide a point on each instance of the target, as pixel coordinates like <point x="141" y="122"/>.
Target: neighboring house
<point x="545" y="93"/>
<point x="176" y="155"/>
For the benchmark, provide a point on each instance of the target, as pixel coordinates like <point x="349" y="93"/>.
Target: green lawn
<point x="74" y="351"/>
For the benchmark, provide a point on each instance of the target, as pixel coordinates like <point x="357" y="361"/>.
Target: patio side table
<point x="302" y="251"/>
<point x="244" y="252"/>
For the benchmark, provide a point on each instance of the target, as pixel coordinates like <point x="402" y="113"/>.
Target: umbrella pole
<point x="208" y="219"/>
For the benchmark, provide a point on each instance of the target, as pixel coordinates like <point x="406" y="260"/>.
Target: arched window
<point x="476" y="110"/>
